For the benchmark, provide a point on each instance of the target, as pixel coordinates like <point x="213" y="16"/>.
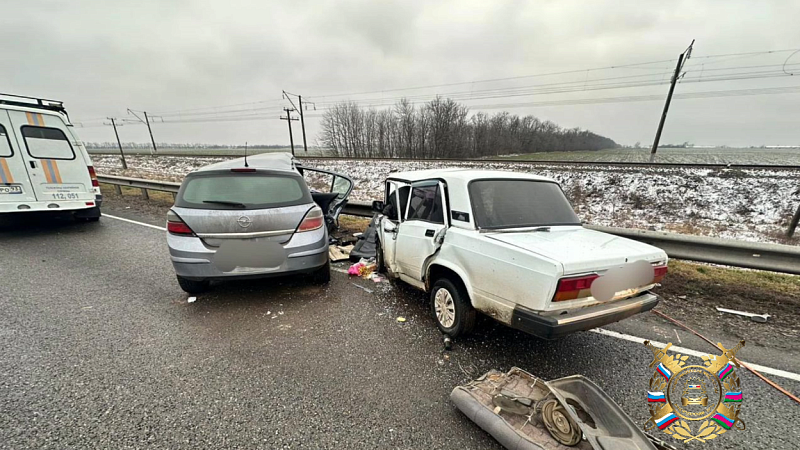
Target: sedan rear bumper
<point x="552" y="327"/>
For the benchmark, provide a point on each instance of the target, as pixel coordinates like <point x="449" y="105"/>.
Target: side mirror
<point x="377" y="206"/>
<point x="389" y="226"/>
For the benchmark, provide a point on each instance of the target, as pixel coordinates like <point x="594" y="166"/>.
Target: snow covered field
<point x="752" y="205"/>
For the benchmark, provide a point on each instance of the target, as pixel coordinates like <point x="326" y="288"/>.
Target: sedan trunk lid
<point x="580" y="250"/>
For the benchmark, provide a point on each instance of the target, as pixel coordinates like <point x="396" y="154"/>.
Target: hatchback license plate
<point x="10" y="189"/>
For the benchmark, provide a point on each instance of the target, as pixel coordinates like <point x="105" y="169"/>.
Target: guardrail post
<point x="145" y="195"/>
<point x="118" y="189"/>
<point x="793" y="224"/>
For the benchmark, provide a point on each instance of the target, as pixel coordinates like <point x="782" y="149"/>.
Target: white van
<point x="43" y="165"/>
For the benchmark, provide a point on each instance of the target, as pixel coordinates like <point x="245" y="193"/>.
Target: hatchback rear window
<point x="229" y="190"/>
<point x="47" y="143"/>
<point x="5" y="143"/>
<point x="519" y="203"/>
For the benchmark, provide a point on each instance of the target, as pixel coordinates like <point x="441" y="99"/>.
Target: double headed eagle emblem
<point x="680" y="395"/>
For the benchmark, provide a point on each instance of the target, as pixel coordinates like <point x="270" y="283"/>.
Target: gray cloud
<point x="102" y="57"/>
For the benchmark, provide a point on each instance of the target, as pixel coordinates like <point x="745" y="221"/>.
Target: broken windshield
<point x="499" y="204"/>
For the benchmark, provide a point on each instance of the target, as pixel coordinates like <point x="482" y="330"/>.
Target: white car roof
<point x="457" y="180"/>
<point x="463" y="175"/>
<point x="272" y="161"/>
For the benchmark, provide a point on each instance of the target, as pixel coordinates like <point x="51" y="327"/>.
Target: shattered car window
<point x="426" y="204"/>
<point x="519" y="203"/>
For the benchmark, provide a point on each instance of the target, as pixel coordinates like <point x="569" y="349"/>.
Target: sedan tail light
<point x="176" y="225"/>
<point x="576" y="287"/>
<point x="312" y="221"/>
<point x="659" y="273"/>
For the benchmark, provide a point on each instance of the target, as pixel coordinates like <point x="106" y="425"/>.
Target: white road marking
<point x="135" y="222"/>
<point x="688" y="351"/>
<point x="614" y="334"/>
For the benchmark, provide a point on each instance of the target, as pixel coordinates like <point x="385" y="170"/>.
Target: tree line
<point x="443" y="128"/>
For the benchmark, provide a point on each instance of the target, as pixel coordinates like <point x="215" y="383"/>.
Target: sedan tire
<point x="451" y="308"/>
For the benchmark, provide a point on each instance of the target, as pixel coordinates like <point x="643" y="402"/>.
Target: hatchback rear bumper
<point x="551" y="327"/>
<point x="304" y="253"/>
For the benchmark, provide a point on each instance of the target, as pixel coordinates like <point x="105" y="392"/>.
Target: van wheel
<point x="193" y="286"/>
<point x="451" y="308"/>
<point x="323" y="274"/>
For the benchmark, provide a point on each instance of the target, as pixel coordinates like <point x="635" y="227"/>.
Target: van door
<point x="15" y="185"/>
<point x="57" y="170"/>
<point x="425" y="219"/>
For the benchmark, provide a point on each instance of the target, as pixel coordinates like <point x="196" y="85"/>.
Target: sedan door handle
<point x="429" y="233"/>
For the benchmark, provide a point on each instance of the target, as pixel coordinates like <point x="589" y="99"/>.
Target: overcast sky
<point x="102" y="57"/>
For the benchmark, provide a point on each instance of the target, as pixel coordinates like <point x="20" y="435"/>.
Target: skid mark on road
<point x="614" y="334"/>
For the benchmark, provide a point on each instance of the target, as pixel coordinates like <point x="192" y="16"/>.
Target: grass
<point x="155" y="196"/>
<point x="749" y="280"/>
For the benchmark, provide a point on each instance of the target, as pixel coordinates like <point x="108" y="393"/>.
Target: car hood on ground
<point x="579" y="249"/>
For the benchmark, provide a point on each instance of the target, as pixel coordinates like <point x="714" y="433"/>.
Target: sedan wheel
<point x="451" y="307"/>
<point x="445" y="308"/>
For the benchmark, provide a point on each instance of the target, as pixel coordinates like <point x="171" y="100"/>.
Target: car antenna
<point x="245" y="154"/>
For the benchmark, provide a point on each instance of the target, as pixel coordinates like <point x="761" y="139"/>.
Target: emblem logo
<point x="680" y="395"/>
<point x="244" y="221"/>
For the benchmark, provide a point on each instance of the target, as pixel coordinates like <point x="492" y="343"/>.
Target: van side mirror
<point x="377" y="206"/>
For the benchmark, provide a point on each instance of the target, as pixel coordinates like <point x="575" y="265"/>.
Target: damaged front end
<point x="523" y="412"/>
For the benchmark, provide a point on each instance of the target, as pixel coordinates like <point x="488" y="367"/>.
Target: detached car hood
<point x="579" y="249"/>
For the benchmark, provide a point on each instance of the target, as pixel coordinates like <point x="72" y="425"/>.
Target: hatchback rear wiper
<point x="225" y="202"/>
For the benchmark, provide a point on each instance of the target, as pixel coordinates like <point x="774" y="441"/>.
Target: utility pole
<point x="146" y="121"/>
<point x="302" y="120"/>
<point x="681" y="60"/>
<point x="289" y="120"/>
<point x="121" y="154"/>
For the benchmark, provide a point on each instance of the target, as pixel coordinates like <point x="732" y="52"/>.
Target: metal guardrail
<point x="752" y="255"/>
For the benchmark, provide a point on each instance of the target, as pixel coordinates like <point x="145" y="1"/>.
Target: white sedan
<point x="510" y="246"/>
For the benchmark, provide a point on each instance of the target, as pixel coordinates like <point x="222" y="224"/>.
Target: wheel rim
<point x="445" y="308"/>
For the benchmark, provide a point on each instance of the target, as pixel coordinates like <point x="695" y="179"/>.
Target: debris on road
<point x="361" y="287"/>
<point x="448" y="343"/>
<point x="339" y="252"/>
<point x="522" y="411"/>
<point x="191" y="299"/>
<point x="760" y="318"/>
<point x="401" y="319"/>
<point x="367" y="244"/>
<point x="376" y="278"/>
<point x="363" y="268"/>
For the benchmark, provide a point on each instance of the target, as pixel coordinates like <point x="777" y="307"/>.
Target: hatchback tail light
<point x="93" y="176"/>
<point x="176" y="225"/>
<point x="312" y="221"/>
<point x="572" y="288"/>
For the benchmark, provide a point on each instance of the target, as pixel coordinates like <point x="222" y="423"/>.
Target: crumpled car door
<point x="330" y="191"/>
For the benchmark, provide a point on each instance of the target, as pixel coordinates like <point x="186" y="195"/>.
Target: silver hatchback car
<point x="252" y="218"/>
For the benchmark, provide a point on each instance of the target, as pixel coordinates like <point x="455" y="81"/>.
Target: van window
<point x="229" y="190"/>
<point x="47" y="143"/>
<point x="5" y="144"/>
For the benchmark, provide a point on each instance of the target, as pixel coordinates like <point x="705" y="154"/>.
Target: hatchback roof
<point x="272" y="161"/>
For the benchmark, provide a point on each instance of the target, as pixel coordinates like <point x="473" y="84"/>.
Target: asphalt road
<point x="100" y="349"/>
